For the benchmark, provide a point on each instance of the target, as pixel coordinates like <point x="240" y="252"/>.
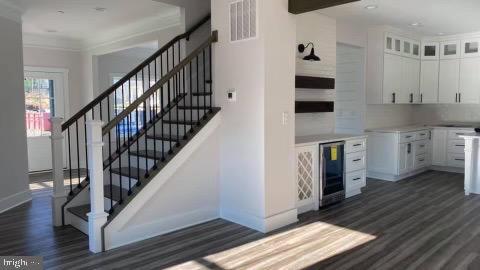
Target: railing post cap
<point x="56" y="120"/>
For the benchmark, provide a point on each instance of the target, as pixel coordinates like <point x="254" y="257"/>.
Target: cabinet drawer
<point x="355" y="161"/>
<point x="407" y="137"/>
<point x="420" y="161"/>
<point x="456" y="160"/>
<point x="355" y="180"/>
<point x="422" y="135"/>
<point x="420" y="147"/>
<point x="456" y="146"/>
<point x="356" y="146"/>
<point x="455" y="134"/>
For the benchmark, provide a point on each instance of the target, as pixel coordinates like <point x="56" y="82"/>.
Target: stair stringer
<point x="140" y="220"/>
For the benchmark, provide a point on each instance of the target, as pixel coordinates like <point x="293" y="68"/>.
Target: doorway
<point x="45" y="92"/>
<point x="350" y="106"/>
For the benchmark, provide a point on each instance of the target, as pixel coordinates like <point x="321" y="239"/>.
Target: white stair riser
<point x="141" y="161"/>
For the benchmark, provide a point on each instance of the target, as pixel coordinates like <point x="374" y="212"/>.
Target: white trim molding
<point x="261" y="224"/>
<point x="10" y="11"/>
<point x="15" y="200"/>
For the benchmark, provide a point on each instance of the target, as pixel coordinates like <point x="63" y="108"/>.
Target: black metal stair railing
<point x="114" y="101"/>
<point x="164" y="125"/>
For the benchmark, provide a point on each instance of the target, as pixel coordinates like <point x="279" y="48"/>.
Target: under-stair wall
<point x="185" y="193"/>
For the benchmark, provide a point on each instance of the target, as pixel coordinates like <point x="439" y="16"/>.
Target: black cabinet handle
<point x="409" y="148"/>
<point x="356" y="179"/>
<point x="393" y="97"/>
<point x="408" y="137"/>
<point x="459" y="97"/>
<point x="356" y="160"/>
<point x="358" y="144"/>
<point x="421" y="98"/>
<point x="411" y="98"/>
<point x="460" y="145"/>
<point x="421" y="159"/>
<point x="456" y="98"/>
<point x="460" y="159"/>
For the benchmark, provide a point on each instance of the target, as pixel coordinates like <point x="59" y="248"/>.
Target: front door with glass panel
<point x="44" y="99"/>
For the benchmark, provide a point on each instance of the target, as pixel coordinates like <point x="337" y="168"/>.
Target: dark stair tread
<point x="193" y="107"/>
<point x="116" y="192"/>
<point x="196" y="94"/>
<point x="181" y="122"/>
<point x="164" y="137"/>
<point x="124" y="171"/>
<point x="80" y="211"/>
<point x="148" y="154"/>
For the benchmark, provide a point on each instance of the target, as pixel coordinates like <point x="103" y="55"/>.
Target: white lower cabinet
<point x="355" y="166"/>
<point x="449" y="148"/>
<point x="394" y="156"/>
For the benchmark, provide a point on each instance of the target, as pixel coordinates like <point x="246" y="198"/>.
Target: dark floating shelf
<point x="314" y="82"/>
<point x="314" y="106"/>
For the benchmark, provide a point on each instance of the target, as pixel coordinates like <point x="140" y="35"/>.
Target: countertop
<point x="326" y="138"/>
<point x="413" y="128"/>
<point x="471" y="135"/>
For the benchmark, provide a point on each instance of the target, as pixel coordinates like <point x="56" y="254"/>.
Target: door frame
<point x="65" y="100"/>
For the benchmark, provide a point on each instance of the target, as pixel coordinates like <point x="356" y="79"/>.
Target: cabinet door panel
<point x="429" y="82"/>
<point x="407" y="158"/>
<point x="448" y="81"/>
<point x="470" y="81"/>
<point x="392" y="78"/>
<point x="410" y="81"/>
<point x="430" y="51"/>
<point x="450" y="50"/>
<point x="439" y="147"/>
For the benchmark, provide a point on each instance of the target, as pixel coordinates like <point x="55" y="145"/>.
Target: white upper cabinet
<point x="471" y="48"/>
<point x="429" y="82"/>
<point x="392" y="81"/>
<point x="411" y="48"/>
<point x="469" y="81"/>
<point x="450" y="49"/>
<point x="410" y="82"/>
<point x="393" y="44"/>
<point x="430" y="51"/>
<point x="449" y="78"/>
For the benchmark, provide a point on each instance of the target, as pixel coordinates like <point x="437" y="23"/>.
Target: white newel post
<point x="97" y="216"/>
<point x="59" y="197"/>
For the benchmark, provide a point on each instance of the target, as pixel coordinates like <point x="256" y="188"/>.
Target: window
<point x="39" y="106"/>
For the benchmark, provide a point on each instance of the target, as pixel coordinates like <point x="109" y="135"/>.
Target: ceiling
<point x="84" y="20"/>
<point x="435" y="16"/>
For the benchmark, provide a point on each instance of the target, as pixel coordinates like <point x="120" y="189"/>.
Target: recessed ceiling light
<point x="441" y="34"/>
<point x="417" y="24"/>
<point x="100" y="9"/>
<point x="371" y="7"/>
<point x="51" y="31"/>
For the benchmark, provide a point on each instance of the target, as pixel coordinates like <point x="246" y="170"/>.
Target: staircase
<point x="148" y="117"/>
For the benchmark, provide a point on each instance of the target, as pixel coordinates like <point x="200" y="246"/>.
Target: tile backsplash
<point x="446" y="113"/>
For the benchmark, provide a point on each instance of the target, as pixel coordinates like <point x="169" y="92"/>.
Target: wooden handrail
<point x="132" y="73"/>
<point x="134" y="105"/>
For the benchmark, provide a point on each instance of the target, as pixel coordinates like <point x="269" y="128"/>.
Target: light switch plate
<point x="232" y="95"/>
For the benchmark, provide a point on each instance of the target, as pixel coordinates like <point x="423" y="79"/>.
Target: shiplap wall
<point x="321" y="30"/>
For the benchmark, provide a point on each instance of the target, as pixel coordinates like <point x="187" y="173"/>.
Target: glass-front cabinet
<point x="430" y="51"/>
<point x="393" y="44"/>
<point x="411" y="48"/>
<point x="450" y="49"/>
<point x="470" y="48"/>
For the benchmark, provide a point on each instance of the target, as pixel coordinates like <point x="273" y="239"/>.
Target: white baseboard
<point x="394" y="178"/>
<point x="260" y="224"/>
<point x="15" y="200"/>
<point x="162" y="226"/>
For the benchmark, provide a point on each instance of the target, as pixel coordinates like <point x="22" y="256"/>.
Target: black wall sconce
<point x="311" y="56"/>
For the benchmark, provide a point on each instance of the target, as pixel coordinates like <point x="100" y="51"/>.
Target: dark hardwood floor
<point x="424" y="222"/>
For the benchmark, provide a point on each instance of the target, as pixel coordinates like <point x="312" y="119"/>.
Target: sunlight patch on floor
<point x="293" y="249"/>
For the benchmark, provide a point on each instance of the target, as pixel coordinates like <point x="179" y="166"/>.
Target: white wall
<point x="250" y="192"/>
<point x="13" y="141"/>
<point x="120" y="63"/>
<point x="321" y="30"/>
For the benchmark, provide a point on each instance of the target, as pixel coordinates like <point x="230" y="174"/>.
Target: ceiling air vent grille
<point x="243" y="20"/>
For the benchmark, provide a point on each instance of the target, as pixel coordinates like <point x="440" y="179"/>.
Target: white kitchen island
<point x="472" y="163"/>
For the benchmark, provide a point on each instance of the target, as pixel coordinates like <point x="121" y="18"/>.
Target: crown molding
<point x="10" y="11"/>
<point x="137" y="29"/>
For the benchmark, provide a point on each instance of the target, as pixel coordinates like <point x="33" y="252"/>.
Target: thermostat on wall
<point x="232" y="95"/>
